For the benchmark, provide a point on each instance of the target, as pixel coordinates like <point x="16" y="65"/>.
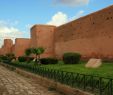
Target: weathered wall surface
<point x="90" y="35"/>
<point x="43" y="36"/>
<point x="6" y="48"/>
<point x="21" y="44"/>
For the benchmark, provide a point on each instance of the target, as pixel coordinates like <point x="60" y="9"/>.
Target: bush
<point x="10" y="56"/>
<point x="48" y="61"/>
<point x="22" y="59"/>
<point x="71" y="58"/>
<point x="7" y="58"/>
<point x="3" y="57"/>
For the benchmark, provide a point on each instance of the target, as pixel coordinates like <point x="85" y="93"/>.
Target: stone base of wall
<point x="48" y="83"/>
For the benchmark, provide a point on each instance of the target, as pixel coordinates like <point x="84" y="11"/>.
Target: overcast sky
<point x="17" y="16"/>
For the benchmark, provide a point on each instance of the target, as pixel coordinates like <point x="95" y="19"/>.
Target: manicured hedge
<point x="48" y="61"/>
<point x="3" y="57"/>
<point x="7" y="58"/>
<point x="71" y="58"/>
<point x="22" y="59"/>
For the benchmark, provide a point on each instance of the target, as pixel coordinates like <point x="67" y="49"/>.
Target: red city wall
<point x="43" y="36"/>
<point x="91" y="35"/>
<point x="6" y="48"/>
<point x="21" y="44"/>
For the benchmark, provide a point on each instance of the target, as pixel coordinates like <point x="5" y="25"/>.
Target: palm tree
<point x="38" y="51"/>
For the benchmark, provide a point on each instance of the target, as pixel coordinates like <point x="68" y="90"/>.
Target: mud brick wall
<point x="21" y="44"/>
<point x="6" y="48"/>
<point x="43" y="36"/>
<point x="91" y="35"/>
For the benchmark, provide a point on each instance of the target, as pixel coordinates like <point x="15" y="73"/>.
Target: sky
<point x="18" y="16"/>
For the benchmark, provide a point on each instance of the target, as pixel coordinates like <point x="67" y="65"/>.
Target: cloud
<point x="9" y="23"/>
<point x="8" y="32"/>
<point x="61" y="18"/>
<point x="58" y="19"/>
<point x="73" y="3"/>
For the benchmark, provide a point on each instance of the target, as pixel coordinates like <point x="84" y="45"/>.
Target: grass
<point x="106" y="70"/>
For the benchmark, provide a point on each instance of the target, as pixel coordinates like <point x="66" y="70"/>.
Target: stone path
<point x="12" y="83"/>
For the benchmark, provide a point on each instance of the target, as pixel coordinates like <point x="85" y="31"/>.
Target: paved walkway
<point x="12" y="83"/>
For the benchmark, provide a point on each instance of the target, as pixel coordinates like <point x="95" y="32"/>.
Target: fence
<point x="90" y="83"/>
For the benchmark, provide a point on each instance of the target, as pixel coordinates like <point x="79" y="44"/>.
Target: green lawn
<point x="106" y="70"/>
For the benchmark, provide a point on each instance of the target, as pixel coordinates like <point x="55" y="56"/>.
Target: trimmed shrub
<point x="22" y="59"/>
<point x="10" y="56"/>
<point x="48" y="61"/>
<point x="7" y="58"/>
<point x="3" y="57"/>
<point x="71" y="58"/>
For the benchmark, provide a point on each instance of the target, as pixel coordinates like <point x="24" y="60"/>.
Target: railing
<point x="90" y="83"/>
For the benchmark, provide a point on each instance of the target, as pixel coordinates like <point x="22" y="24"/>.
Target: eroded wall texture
<point x="43" y="36"/>
<point x="91" y="35"/>
<point x="21" y="44"/>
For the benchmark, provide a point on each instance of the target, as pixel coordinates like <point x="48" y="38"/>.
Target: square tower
<point x="21" y="44"/>
<point x="6" y="48"/>
<point x="43" y="36"/>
